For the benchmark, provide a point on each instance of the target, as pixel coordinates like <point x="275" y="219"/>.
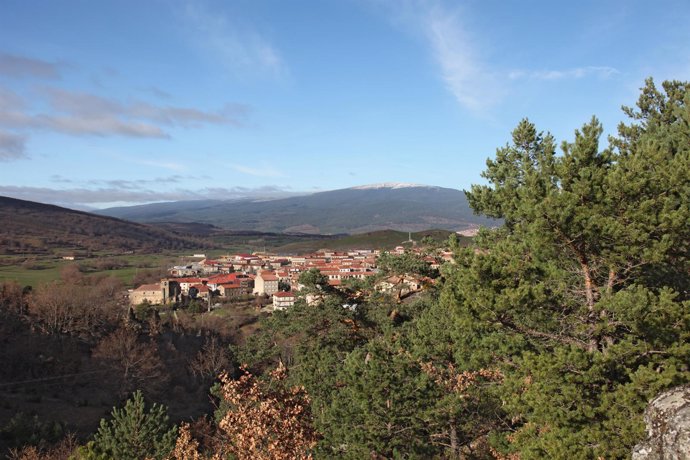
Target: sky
<point x="121" y="102"/>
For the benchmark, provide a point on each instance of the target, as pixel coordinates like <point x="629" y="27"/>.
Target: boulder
<point x="668" y="427"/>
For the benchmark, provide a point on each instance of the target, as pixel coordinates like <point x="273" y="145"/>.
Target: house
<point x="216" y="280"/>
<point x="186" y="283"/>
<point x="182" y="270"/>
<point x="266" y="283"/>
<point x="400" y="286"/>
<point x="232" y="290"/>
<point x="246" y="281"/>
<point x="283" y="300"/>
<point x="151" y="293"/>
<point x="200" y="292"/>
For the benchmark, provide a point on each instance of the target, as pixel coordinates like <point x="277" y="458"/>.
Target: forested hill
<point x="30" y="227"/>
<point x="403" y="207"/>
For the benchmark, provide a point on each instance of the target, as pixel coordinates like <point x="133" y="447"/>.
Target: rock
<point x="668" y="427"/>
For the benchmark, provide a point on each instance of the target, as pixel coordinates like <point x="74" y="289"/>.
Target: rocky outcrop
<point x="668" y="427"/>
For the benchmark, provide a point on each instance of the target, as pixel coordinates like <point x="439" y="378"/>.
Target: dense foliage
<point x="133" y="432"/>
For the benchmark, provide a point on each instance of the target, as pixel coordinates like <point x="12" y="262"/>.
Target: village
<point x="275" y="278"/>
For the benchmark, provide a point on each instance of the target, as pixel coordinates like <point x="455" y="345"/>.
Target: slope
<point x="30" y="227"/>
<point x="352" y="210"/>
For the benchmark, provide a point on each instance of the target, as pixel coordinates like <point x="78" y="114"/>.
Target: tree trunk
<point x="453" y="440"/>
<point x="611" y="282"/>
<point x="589" y="286"/>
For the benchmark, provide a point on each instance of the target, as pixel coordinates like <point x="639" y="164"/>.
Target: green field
<point x="45" y="269"/>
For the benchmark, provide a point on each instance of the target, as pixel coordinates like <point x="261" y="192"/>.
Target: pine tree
<point x="581" y="297"/>
<point x="133" y="432"/>
<point x="380" y="410"/>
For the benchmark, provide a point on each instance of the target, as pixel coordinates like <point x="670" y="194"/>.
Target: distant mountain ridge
<point x="31" y="227"/>
<point x="397" y="206"/>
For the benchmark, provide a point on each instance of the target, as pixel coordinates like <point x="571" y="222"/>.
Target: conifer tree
<point x="581" y="297"/>
<point x="380" y="410"/>
<point x="133" y="432"/>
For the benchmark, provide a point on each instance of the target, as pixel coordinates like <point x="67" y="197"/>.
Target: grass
<point x="27" y="277"/>
<point x="48" y="268"/>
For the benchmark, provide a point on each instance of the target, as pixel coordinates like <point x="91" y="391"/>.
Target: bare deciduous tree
<point x="136" y="365"/>
<point x="211" y="360"/>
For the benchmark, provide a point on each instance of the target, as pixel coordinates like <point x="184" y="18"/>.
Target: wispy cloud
<point x="264" y="171"/>
<point x="476" y="81"/>
<point x="9" y="100"/>
<point x="170" y="165"/>
<point x="602" y="72"/>
<point x="12" y="146"/>
<point x="464" y="74"/>
<point x="89" y="106"/>
<point x="22" y="67"/>
<point x="155" y="91"/>
<point x="86" y="114"/>
<point x="455" y="49"/>
<point x="138" y="184"/>
<point x="238" y="46"/>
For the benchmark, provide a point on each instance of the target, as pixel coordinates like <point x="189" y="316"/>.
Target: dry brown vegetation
<point x="70" y="352"/>
<point x="36" y="228"/>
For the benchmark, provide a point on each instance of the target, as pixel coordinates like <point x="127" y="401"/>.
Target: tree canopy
<point x="133" y="432"/>
<point x="581" y="298"/>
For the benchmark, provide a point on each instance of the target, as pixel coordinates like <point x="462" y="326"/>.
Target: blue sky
<point x="113" y="102"/>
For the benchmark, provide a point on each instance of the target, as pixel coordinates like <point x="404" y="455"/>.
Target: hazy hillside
<point x="30" y="227"/>
<point x="353" y="210"/>
<point x="380" y="239"/>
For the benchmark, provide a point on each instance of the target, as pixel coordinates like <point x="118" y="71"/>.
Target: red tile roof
<point x="148" y="287"/>
<point x="220" y="279"/>
<point x="188" y="280"/>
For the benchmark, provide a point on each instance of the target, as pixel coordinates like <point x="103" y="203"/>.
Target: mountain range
<point x="36" y="228"/>
<point x="403" y="207"/>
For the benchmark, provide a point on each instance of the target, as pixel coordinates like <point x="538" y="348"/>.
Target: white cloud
<point x="264" y="171"/>
<point x="477" y="82"/>
<point x="239" y="47"/>
<point x="574" y="73"/>
<point x="464" y="73"/>
<point x="454" y="48"/>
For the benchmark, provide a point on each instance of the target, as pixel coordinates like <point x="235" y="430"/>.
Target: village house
<point x="200" y="292"/>
<point x="182" y="270"/>
<point x="231" y="290"/>
<point x="283" y="300"/>
<point x="266" y="283"/>
<point x="400" y="286"/>
<point x="151" y="293"/>
<point x="186" y="283"/>
<point x="216" y="280"/>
